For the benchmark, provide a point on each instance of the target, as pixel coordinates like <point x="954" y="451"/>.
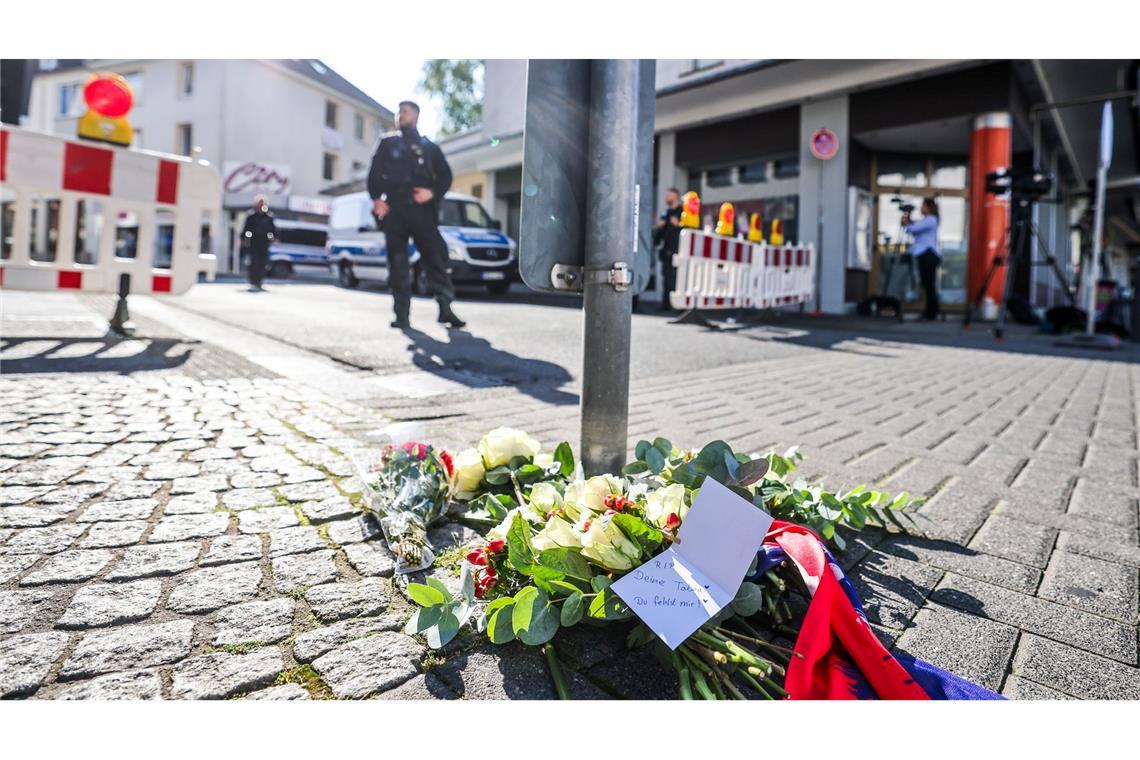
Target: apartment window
<point x="477" y="190"/>
<point x="330" y="114"/>
<point x="358" y="127"/>
<point x="329" y="170"/>
<point x="753" y="173"/>
<point x="88" y="230"/>
<point x="45" y="227"/>
<point x="357" y="168"/>
<point x="786" y="168"/>
<point x="718" y="177"/>
<point x="135" y="80"/>
<point x="70" y="100"/>
<point x="186" y="79"/>
<point x="184" y="139"/>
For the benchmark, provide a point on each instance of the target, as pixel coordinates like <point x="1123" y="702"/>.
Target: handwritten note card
<point x="680" y="589"/>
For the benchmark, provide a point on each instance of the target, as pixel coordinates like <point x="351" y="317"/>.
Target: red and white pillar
<point x="990" y="149"/>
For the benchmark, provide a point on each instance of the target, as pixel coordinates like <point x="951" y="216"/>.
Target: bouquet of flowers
<point x="406" y="488"/>
<point x="560" y="541"/>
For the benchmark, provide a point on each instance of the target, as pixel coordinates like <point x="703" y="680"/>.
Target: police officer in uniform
<point x="407" y="182"/>
<point x="256" y="237"/>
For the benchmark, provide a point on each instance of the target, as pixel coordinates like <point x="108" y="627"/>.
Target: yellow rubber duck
<point x="726" y="222"/>
<point x="691" y="210"/>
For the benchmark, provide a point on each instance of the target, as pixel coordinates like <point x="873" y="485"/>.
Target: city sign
<point x="256" y="178"/>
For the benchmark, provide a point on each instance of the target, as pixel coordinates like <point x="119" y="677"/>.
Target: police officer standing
<point x="407" y="182"/>
<point x="256" y="237"/>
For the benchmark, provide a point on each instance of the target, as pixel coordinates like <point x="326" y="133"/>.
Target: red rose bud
<point x="477" y="557"/>
<point x="478" y="592"/>
<point x="489" y="583"/>
<point x="447" y="463"/>
<point x="622" y="503"/>
<point x="672" y="521"/>
<point x="496" y="546"/>
<point x="418" y="450"/>
<point x="609" y="501"/>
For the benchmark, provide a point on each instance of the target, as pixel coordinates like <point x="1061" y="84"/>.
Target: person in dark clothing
<point x="928" y="254"/>
<point x="407" y="181"/>
<point x="668" y="233"/>
<point x="256" y="237"/>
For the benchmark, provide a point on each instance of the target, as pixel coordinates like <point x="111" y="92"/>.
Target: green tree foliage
<point x="458" y="84"/>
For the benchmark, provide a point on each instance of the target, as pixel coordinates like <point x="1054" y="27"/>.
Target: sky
<point x="389" y="80"/>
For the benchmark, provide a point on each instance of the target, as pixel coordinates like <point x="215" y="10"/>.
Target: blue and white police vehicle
<point x="478" y="251"/>
<point x="298" y="247"/>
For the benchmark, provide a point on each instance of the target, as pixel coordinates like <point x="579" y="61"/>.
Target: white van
<point x="478" y="251"/>
<point x="298" y="247"/>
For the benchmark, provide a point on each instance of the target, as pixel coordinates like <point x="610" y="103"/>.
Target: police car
<point x="298" y="247"/>
<point x="478" y="251"/>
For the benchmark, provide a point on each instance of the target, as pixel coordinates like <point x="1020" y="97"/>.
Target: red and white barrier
<point x="712" y="272"/>
<point x="49" y="181"/>
<point x="718" y="272"/>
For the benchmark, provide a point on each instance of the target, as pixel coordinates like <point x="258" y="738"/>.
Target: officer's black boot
<point x="449" y="317"/>
<point x="400" y="323"/>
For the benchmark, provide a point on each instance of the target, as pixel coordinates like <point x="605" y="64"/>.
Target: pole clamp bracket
<point x="569" y="277"/>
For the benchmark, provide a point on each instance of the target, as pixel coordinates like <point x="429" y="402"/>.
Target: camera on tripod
<point x="906" y="208"/>
<point x="1023" y="186"/>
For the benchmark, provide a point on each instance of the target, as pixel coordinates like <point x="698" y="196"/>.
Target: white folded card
<point x="680" y="589"/>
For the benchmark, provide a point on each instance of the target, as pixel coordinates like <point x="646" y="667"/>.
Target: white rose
<point x="544" y="460"/>
<point x="557" y="533"/>
<point x="545" y="497"/>
<point x="500" y="530"/>
<point x="589" y="495"/>
<point x="661" y="503"/>
<point x="467" y="473"/>
<point x="606" y="545"/>
<point x="503" y="444"/>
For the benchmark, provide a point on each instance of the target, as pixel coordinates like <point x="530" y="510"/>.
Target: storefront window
<point x="953" y="234"/>
<point x="901" y="171"/>
<point x="949" y="174"/>
<point x="786" y="168"/>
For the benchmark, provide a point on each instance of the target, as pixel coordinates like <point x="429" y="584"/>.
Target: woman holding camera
<point x="927" y="253"/>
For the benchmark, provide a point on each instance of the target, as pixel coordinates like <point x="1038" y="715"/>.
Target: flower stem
<point x="755" y="684"/>
<point x="555" y="671"/>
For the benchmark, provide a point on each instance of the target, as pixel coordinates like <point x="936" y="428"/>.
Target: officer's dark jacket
<point x="405" y="161"/>
<point x="259" y="230"/>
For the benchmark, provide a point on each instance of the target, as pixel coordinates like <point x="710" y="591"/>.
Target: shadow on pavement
<point x="109" y="353"/>
<point x="469" y="353"/>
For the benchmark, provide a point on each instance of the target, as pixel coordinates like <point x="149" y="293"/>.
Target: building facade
<point x="286" y="128"/>
<point x="742" y="130"/>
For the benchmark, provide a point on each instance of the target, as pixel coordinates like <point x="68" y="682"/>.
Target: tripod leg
<point x="1052" y="261"/>
<point x="1011" y="258"/>
<point x="972" y="307"/>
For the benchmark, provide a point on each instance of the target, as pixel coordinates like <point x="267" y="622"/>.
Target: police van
<point x="477" y="249"/>
<point x="298" y="247"/>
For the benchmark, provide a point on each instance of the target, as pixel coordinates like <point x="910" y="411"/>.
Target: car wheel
<point x="344" y="276"/>
<point x="280" y="270"/>
<point x="498" y="288"/>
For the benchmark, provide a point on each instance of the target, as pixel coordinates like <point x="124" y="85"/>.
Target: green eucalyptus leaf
<point x="663" y="445"/>
<point x="498" y="476"/>
<point x="749" y="600"/>
<point x="423" y="619"/>
<point x="443" y="631"/>
<point x="499" y="613"/>
<point x="608" y="606"/>
<point x="641" y="449"/>
<point x="635" y="468"/>
<point x="655" y="460"/>
<point x="437" y="584"/>
<point x="600" y="582"/>
<point x="426" y="596"/>
<point x="752" y="471"/>
<point x="572" y="610"/>
<point x="533" y="618"/>
<point x="519" y="552"/>
<point x="566" y="561"/>
<point x="467" y="583"/>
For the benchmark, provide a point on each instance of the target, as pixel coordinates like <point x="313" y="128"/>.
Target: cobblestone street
<point x="191" y="529"/>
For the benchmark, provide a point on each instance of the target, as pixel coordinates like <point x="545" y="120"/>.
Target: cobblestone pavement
<point x="193" y="531"/>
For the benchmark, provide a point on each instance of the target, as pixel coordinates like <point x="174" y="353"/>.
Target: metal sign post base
<point x="121" y="319"/>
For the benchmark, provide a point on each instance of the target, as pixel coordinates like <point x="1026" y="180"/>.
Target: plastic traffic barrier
<point x="73" y="210"/>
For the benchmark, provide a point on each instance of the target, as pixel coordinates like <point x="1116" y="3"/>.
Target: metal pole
<point x="819" y="241"/>
<point x="612" y="198"/>
<point x="1104" y="158"/>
